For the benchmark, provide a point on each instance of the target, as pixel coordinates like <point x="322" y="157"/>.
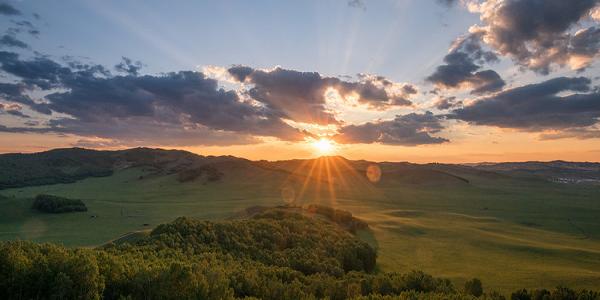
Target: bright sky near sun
<point x="404" y="80"/>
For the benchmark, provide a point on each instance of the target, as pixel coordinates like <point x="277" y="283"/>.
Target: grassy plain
<point x="509" y="232"/>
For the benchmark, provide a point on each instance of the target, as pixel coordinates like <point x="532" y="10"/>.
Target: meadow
<point x="510" y="232"/>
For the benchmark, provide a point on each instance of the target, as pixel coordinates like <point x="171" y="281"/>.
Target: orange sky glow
<point x="514" y="146"/>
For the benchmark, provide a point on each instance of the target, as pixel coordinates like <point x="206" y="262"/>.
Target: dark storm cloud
<point x="537" y="106"/>
<point x="300" y="96"/>
<point x="408" y="130"/>
<point x="9" y="40"/>
<point x="537" y="34"/>
<point x="129" y="66"/>
<point x="461" y="68"/>
<point x="185" y="104"/>
<point x="8" y="10"/>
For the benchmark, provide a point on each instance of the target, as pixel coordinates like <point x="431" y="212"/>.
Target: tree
<point x="474" y="287"/>
<point x="520" y="295"/>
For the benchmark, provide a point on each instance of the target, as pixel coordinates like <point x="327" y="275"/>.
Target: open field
<point x="509" y="232"/>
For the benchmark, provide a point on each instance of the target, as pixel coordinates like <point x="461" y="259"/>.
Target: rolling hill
<point x="454" y="221"/>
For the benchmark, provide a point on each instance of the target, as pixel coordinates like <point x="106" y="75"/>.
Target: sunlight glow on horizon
<point x="324" y="146"/>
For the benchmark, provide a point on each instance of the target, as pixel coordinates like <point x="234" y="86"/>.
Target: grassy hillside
<point x="453" y="221"/>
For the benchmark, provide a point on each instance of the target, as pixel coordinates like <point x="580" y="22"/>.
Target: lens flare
<point x="373" y="173"/>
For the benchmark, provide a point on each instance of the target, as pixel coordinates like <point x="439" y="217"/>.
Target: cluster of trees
<point x="341" y="217"/>
<point x="274" y="237"/>
<point x="210" y="172"/>
<point x="265" y="257"/>
<point x="55" y="204"/>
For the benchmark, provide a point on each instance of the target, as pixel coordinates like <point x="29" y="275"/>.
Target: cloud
<point x="129" y="66"/>
<point x="300" y="96"/>
<point x="41" y="71"/>
<point x="578" y="133"/>
<point x="24" y="25"/>
<point x="584" y="46"/>
<point x="559" y="103"/>
<point x="15" y="92"/>
<point x="461" y="69"/>
<point x="538" y="34"/>
<point x="8" y="10"/>
<point x="13" y="109"/>
<point x="294" y="95"/>
<point x="447" y="2"/>
<point x="443" y="103"/>
<point x="9" y="40"/>
<point x="357" y="4"/>
<point x="188" y="108"/>
<point x="183" y="98"/>
<point x="408" y="130"/>
<point x="184" y="107"/>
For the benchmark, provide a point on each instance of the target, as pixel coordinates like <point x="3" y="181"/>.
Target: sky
<point x="450" y="81"/>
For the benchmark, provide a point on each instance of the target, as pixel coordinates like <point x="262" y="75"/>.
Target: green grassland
<point x="451" y="222"/>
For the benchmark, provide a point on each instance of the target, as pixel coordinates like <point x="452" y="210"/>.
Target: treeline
<point x="266" y="257"/>
<point x="341" y="217"/>
<point x="46" y="271"/>
<point x="55" y="204"/>
<point x="558" y="293"/>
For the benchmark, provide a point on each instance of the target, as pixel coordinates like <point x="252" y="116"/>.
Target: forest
<point x="276" y="254"/>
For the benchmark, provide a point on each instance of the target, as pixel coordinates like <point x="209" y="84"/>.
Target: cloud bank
<point x="537" y="107"/>
<point x="407" y="130"/>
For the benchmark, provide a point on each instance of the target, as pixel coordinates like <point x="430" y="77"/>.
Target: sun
<point x="324" y="146"/>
